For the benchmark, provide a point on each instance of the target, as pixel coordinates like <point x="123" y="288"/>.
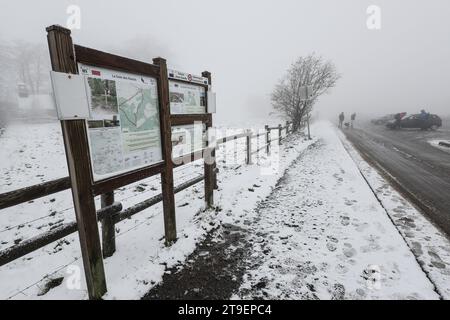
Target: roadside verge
<point x="429" y="245"/>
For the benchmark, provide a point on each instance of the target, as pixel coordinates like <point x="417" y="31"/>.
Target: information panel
<point x="187" y="139"/>
<point x="186" y="98"/>
<point x="124" y="125"/>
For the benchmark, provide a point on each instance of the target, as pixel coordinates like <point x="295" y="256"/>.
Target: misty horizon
<point x="248" y="47"/>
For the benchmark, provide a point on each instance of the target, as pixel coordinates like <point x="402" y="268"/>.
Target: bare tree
<point x="32" y="65"/>
<point x="8" y="83"/>
<point x="310" y="71"/>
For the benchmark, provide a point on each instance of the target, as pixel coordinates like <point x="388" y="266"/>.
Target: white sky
<point x="248" y="45"/>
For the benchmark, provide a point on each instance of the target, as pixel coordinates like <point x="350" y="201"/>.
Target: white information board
<point x="124" y="124"/>
<point x="186" y="98"/>
<point x="183" y="76"/>
<point x="70" y="96"/>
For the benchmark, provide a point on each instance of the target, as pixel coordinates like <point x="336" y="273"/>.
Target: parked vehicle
<point x="416" y="121"/>
<point x="383" y="120"/>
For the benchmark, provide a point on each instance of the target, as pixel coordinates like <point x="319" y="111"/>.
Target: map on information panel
<point x="124" y="125"/>
<point x="186" y="98"/>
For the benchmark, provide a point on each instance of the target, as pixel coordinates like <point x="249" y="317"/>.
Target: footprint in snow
<point x="338" y="292"/>
<point x="348" y="250"/>
<point x="436" y="260"/>
<point x="331" y="246"/>
<point x="345" y="221"/>
<point x="361" y="227"/>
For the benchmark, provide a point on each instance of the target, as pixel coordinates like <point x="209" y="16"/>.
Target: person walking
<point x="398" y="120"/>
<point x="353" y="118"/>
<point x="341" y="119"/>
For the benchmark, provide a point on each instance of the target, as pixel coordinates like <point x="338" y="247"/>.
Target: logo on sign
<point x="189" y="77"/>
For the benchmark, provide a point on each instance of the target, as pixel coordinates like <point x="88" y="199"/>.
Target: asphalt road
<point x="419" y="170"/>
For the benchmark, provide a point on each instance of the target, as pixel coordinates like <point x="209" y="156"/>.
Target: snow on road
<point x="435" y="143"/>
<point x="322" y="234"/>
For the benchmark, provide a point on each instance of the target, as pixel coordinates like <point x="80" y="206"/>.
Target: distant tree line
<point x="22" y="63"/>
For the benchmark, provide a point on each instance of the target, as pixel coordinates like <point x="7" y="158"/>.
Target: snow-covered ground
<point x="435" y="143"/>
<point x="318" y="229"/>
<point x="429" y="245"/>
<point x="34" y="153"/>
<point x="322" y="234"/>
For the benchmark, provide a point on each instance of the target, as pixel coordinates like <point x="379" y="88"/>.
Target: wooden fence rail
<point x="19" y="196"/>
<point x="23" y="248"/>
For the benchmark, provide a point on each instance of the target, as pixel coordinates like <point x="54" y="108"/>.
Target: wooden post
<point x="207" y="75"/>
<point x="249" y="147"/>
<point x="257" y="147"/>
<point x="279" y="134"/>
<point x="78" y="162"/>
<point x="267" y="139"/>
<point x="170" y="226"/>
<point x="108" y="227"/>
<point x="210" y="163"/>
<point x="235" y="144"/>
<point x="287" y="128"/>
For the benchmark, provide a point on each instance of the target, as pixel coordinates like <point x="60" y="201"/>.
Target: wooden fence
<point x="112" y="212"/>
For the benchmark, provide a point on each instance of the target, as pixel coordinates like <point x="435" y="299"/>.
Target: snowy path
<point x="323" y="234"/>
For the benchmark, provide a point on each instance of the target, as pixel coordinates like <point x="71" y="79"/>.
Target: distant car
<point x="383" y="120"/>
<point x="415" y="121"/>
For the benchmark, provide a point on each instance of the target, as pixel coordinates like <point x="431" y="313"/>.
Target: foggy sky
<point x="248" y="45"/>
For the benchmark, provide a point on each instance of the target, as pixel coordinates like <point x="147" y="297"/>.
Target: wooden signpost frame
<point x="65" y="57"/>
<point x="208" y="153"/>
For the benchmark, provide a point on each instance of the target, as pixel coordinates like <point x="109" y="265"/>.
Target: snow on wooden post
<point x="207" y="75"/>
<point x="267" y="139"/>
<point x="279" y="134"/>
<point x="108" y="227"/>
<point x="210" y="161"/>
<point x="167" y="187"/>
<point x="76" y="145"/>
<point x="249" y="147"/>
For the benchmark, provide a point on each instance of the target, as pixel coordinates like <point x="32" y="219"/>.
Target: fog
<point x="248" y="45"/>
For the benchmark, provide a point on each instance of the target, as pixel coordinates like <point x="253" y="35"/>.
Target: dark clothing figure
<point x="341" y="119"/>
<point x="423" y="115"/>
<point x="353" y="117"/>
<point x="398" y="119"/>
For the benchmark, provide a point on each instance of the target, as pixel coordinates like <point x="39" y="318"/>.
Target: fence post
<point x="75" y="137"/>
<point x="287" y="128"/>
<point x="267" y="139"/>
<point x="209" y="161"/>
<point x="108" y="227"/>
<point x="249" y="147"/>
<point x="167" y="188"/>
<point x="207" y="75"/>
<point x="309" y="131"/>
<point x="235" y="147"/>
<point x="279" y="134"/>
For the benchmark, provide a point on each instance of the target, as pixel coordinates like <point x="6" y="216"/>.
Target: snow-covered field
<point x="34" y="153"/>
